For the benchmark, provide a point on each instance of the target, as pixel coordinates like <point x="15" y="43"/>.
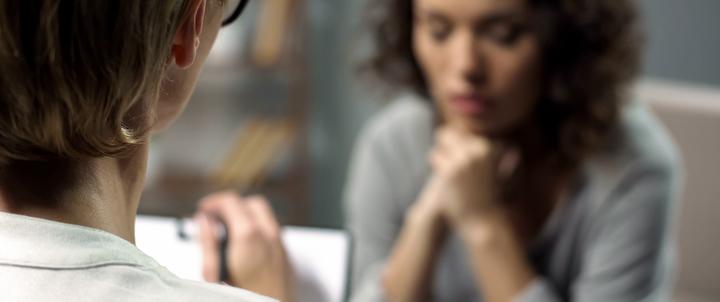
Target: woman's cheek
<point x="517" y="76"/>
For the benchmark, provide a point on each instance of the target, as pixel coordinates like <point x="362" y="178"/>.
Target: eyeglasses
<point x="233" y="9"/>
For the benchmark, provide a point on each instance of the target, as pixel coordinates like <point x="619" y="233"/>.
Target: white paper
<point x="320" y="257"/>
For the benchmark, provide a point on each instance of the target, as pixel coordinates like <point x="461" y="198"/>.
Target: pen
<point x="187" y="233"/>
<point x="223" y="239"/>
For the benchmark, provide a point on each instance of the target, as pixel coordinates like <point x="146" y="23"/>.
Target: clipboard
<point x="320" y="257"/>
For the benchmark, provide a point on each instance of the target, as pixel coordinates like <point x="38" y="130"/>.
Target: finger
<point x="439" y="160"/>
<point x="242" y="226"/>
<point x="444" y="136"/>
<point x="447" y="143"/>
<point x="263" y="214"/>
<point x="209" y="246"/>
<point x="508" y="163"/>
<point x="230" y="209"/>
<point x="217" y="201"/>
<point x="463" y="145"/>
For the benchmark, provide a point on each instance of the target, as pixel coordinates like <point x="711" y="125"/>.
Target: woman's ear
<point x="187" y="37"/>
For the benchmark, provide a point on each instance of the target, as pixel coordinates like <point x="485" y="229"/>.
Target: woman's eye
<point x="505" y="35"/>
<point x="439" y="31"/>
<point x="439" y="34"/>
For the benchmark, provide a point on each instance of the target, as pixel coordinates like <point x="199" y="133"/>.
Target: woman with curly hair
<point x="515" y="169"/>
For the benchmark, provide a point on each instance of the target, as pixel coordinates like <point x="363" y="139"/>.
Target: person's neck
<point x="105" y="197"/>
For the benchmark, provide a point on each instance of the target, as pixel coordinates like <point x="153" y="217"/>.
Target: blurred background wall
<point x="684" y="42"/>
<point x="683" y="49"/>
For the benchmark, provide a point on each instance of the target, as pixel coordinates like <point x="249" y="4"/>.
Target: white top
<point x="43" y="260"/>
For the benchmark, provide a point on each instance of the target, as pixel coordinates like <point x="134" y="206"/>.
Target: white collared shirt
<point x="43" y="260"/>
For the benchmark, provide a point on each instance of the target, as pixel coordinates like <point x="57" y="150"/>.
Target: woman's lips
<point x="471" y="104"/>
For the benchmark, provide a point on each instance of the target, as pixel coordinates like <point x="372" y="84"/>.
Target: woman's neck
<point x="101" y="193"/>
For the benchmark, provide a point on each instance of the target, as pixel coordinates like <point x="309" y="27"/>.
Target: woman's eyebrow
<point x="497" y="17"/>
<point x="432" y="15"/>
<point x="487" y="19"/>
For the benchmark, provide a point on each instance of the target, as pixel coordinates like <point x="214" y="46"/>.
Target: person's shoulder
<point x="407" y="119"/>
<point x="156" y="283"/>
<point x="643" y="137"/>
<point x="639" y="138"/>
<point x="640" y="153"/>
<point x="406" y="107"/>
<point x="188" y="290"/>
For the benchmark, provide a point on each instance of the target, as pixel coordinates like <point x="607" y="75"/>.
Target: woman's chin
<point x="473" y="126"/>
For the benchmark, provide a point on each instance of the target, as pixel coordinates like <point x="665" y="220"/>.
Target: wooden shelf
<point x="226" y="98"/>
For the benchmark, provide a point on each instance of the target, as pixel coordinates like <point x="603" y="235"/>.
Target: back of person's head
<point x="75" y="74"/>
<point x="80" y="80"/>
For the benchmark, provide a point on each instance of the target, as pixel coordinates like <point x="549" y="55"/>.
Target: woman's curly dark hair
<point x="590" y="56"/>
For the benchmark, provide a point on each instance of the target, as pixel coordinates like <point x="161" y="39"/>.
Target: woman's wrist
<point x="410" y="267"/>
<point x="498" y="259"/>
<point x="485" y="230"/>
<point x="425" y="220"/>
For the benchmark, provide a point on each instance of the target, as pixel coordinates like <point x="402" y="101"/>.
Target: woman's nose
<point x="468" y="61"/>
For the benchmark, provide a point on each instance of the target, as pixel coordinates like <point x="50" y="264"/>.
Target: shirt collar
<point x="35" y="242"/>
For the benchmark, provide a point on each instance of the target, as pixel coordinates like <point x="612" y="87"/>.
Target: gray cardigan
<point x="609" y="242"/>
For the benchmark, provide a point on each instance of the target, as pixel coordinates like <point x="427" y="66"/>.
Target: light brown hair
<point x="76" y="75"/>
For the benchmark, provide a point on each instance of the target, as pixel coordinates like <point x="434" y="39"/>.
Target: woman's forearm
<point x="497" y="255"/>
<point x="408" y="272"/>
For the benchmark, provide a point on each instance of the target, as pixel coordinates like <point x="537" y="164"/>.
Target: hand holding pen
<point x="255" y="257"/>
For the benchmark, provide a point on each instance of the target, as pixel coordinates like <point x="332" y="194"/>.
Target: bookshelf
<point x="246" y="127"/>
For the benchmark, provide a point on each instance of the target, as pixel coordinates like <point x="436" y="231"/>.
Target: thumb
<point x="209" y="246"/>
